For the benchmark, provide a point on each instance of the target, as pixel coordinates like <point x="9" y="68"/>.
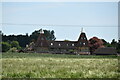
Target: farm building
<point x="105" y="51"/>
<point x="80" y="47"/>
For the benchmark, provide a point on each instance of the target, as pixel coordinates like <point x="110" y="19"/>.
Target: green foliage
<point x="15" y="44"/>
<point x="39" y="55"/>
<point x="106" y="44"/>
<point x="22" y="39"/>
<point x="114" y="43"/>
<point x="33" y="65"/>
<point x="48" y="34"/>
<point x="118" y="46"/>
<point x="14" y="49"/>
<point x="26" y="39"/>
<point x="5" y="46"/>
<point x="71" y="51"/>
<point x="35" y="35"/>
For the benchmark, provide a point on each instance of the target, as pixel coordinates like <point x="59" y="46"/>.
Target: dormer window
<point x="67" y="44"/>
<point x="59" y="45"/>
<point x="51" y="44"/>
<point x="83" y="43"/>
<point x="72" y="44"/>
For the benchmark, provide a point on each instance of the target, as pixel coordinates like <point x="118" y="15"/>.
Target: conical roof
<point x="82" y="40"/>
<point x="41" y="41"/>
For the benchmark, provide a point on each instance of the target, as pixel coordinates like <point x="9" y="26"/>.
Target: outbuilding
<point x="105" y="51"/>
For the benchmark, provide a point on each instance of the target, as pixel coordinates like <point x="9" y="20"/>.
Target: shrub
<point x="5" y="46"/>
<point x="14" y="49"/>
<point x="15" y="44"/>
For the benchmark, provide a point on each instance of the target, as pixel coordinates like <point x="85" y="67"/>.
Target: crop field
<point x="33" y="65"/>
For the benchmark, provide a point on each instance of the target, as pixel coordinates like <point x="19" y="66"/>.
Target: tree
<point x="5" y="46"/>
<point x="48" y="34"/>
<point x="95" y="43"/>
<point x="52" y="35"/>
<point x="24" y="40"/>
<point x="15" y="44"/>
<point x="118" y="46"/>
<point x="106" y="44"/>
<point x="114" y="43"/>
<point x="34" y="35"/>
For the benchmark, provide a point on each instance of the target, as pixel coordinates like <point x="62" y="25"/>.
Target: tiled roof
<point x="82" y="42"/>
<point x="62" y="44"/>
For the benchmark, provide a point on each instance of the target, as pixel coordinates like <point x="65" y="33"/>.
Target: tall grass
<point x="31" y="65"/>
<point x="26" y="55"/>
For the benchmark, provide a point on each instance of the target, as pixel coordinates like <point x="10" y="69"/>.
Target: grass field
<point x="33" y="65"/>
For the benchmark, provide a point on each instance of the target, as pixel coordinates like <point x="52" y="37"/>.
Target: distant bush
<point x="14" y="49"/>
<point x="5" y="46"/>
<point x="15" y="44"/>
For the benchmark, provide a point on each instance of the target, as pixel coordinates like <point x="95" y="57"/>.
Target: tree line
<point x="20" y="41"/>
<point x="95" y="43"/>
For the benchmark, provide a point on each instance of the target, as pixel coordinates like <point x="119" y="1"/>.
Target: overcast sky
<point x="65" y="18"/>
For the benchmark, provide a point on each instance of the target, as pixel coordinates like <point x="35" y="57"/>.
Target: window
<point x="67" y="44"/>
<point x="81" y="37"/>
<point x="83" y="43"/>
<point x="51" y="44"/>
<point x="59" y="45"/>
<point x="84" y="38"/>
<point x="72" y="44"/>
